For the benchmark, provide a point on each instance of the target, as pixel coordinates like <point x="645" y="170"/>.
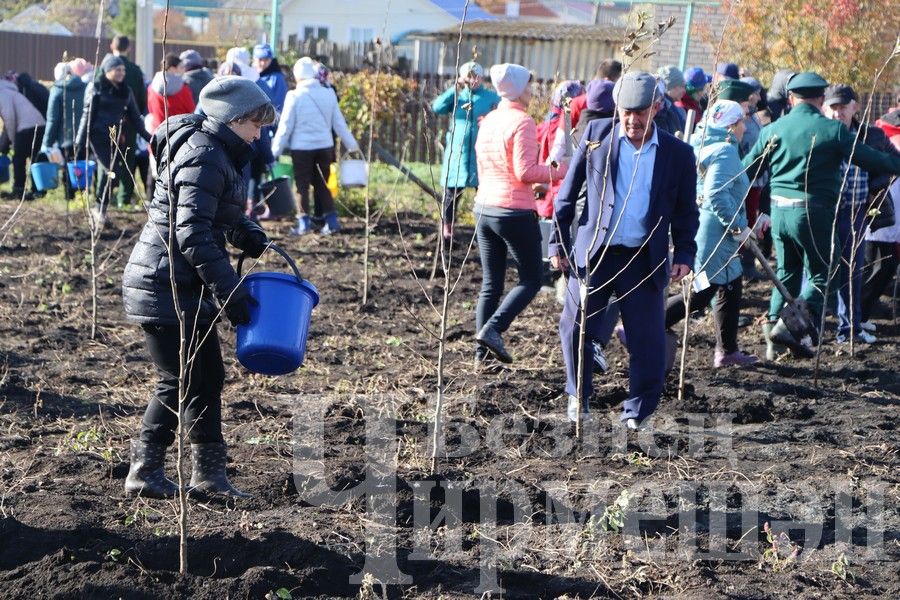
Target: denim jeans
<point x="849" y="297"/>
<point x="520" y="236"/>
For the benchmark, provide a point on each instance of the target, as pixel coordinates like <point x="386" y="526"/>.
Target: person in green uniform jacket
<point x="804" y="150"/>
<point x="459" y="170"/>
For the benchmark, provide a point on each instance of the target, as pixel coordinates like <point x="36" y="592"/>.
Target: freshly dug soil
<point x="69" y="404"/>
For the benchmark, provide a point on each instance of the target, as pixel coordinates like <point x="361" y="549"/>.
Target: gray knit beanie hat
<point x="111" y="62"/>
<point x="227" y="98"/>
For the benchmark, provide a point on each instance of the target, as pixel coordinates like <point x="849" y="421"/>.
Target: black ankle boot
<point x="208" y="476"/>
<point x="146" y="477"/>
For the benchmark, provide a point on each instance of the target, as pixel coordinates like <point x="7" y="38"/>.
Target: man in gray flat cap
<point x="641" y="185"/>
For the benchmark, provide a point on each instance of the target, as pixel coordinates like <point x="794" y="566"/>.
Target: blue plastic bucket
<point x="81" y="173"/>
<point x="4" y="168"/>
<point x="274" y="342"/>
<point x="45" y="176"/>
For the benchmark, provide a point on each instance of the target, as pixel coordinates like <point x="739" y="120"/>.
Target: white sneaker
<point x="572" y="410"/>
<point x="633" y="424"/>
<point x="866" y="337"/>
<point x="862" y="336"/>
<point x="868" y="326"/>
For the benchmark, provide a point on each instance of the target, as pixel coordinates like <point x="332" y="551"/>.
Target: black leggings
<point x="725" y="311"/>
<point x="313" y="167"/>
<point x="451" y="199"/>
<point x="26" y="146"/>
<point x="203" y="400"/>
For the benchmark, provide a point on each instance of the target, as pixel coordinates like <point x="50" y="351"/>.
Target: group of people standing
<point x="668" y="175"/>
<point x="109" y="113"/>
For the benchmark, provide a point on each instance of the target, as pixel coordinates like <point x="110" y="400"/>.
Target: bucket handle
<point x="284" y="255"/>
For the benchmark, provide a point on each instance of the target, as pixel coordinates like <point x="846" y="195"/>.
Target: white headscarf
<point x="724" y="113"/>
<point x="306" y="68"/>
<point x="241" y="57"/>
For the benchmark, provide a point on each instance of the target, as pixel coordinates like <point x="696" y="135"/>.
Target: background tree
<point x="78" y="16"/>
<point x="126" y="22"/>
<point x="176" y="26"/>
<point x="10" y="8"/>
<point x="844" y="40"/>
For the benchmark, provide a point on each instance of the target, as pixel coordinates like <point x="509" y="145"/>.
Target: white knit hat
<point x="510" y="80"/>
<point x="305" y="68"/>
<point x="471" y="68"/>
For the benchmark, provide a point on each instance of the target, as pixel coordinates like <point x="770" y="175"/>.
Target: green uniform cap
<point x="807" y="85"/>
<point x="734" y="90"/>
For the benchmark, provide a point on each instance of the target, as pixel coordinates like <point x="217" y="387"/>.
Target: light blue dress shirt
<point x="632" y="191"/>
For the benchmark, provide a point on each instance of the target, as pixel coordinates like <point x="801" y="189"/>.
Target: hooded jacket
<point x="208" y="189"/>
<point x="721" y="187"/>
<point x="17" y="113"/>
<point x="310" y="115"/>
<point x="167" y="89"/>
<point x="777" y="94"/>
<point x="196" y="79"/>
<point x="64" y="111"/>
<point x="276" y="86"/>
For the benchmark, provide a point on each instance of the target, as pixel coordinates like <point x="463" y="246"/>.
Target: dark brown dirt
<point x="69" y="404"/>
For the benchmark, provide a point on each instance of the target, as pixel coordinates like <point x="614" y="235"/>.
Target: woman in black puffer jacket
<point x="200" y="161"/>
<point x="107" y="101"/>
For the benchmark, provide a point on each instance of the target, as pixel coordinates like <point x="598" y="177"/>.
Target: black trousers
<point x="312" y="167"/>
<point x="203" y="398"/>
<point x="725" y="311"/>
<point x="879" y="270"/>
<point x="27" y="146"/>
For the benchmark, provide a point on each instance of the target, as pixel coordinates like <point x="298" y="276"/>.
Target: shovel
<point x="801" y="334"/>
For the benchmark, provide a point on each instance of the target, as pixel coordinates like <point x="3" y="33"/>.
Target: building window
<point x="315" y="32"/>
<point x="361" y="35"/>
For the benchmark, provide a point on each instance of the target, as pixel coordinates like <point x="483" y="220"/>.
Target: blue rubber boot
<point x="331" y="224"/>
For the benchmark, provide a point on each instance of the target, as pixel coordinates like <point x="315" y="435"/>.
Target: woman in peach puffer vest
<point x="505" y="209"/>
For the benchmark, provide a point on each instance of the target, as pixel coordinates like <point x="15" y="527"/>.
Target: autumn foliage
<point x="843" y="40"/>
<point x="357" y="90"/>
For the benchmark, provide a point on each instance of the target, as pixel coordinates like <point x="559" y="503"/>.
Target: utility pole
<point x="143" y="42"/>
<point x="274" y="32"/>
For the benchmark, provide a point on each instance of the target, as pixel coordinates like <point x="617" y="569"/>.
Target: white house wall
<point x="340" y="15"/>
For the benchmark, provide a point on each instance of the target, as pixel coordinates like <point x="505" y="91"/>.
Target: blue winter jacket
<point x="64" y="110"/>
<point x="275" y="87"/>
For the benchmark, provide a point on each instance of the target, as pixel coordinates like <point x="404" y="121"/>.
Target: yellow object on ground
<point x="333" y="180"/>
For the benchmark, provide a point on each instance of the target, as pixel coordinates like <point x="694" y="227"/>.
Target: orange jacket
<point x="507" y="151"/>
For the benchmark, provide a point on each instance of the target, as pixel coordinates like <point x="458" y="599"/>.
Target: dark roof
<point x="530" y="30"/>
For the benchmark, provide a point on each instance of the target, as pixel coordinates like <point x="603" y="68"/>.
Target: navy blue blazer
<point x="673" y="203"/>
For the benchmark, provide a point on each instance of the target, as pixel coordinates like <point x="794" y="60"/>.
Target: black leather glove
<point x="255" y="243"/>
<point x="238" y="309"/>
<point x="249" y="237"/>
